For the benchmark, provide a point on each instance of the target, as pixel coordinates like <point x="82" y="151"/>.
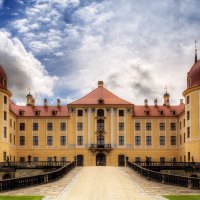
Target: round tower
<point x="192" y="113"/>
<point x="5" y="95"/>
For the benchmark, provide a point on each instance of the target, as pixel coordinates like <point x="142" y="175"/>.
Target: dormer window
<point x="4" y="82"/>
<point x="54" y="112"/>
<point x="147" y="112"/>
<point x="37" y="112"/>
<point x="173" y="112"/>
<point x="21" y="112"/>
<point x="101" y="101"/>
<point x="189" y="82"/>
<point x="161" y="112"/>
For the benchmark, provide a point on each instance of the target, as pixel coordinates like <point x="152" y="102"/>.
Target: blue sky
<point x="61" y="48"/>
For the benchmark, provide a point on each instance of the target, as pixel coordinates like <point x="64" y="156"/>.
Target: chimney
<point x="146" y="102"/>
<point x="58" y="103"/>
<point x="156" y="102"/>
<point x="45" y="103"/>
<point x="181" y="101"/>
<point x="100" y="83"/>
<point x="33" y="103"/>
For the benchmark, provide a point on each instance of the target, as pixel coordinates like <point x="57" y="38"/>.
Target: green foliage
<point x="182" y="197"/>
<point x="20" y="197"/>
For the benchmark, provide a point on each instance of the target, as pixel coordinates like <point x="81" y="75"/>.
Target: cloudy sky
<point x="61" y="48"/>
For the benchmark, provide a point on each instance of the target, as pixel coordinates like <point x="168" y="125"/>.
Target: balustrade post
<point x="163" y="179"/>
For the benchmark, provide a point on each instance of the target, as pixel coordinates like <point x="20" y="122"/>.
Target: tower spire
<point x="195" y="59"/>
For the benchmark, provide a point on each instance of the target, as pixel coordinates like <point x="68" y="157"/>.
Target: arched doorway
<point x="121" y="160"/>
<point x="80" y="160"/>
<point x="101" y="159"/>
<point x="6" y="176"/>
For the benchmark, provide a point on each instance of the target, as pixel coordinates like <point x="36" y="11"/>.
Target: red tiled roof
<point x="139" y="111"/>
<point x="3" y="76"/>
<point x="29" y="111"/>
<point x="194" y="74"/>
<point x="101" y="93"/>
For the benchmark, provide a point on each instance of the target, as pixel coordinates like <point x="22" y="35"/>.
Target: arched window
<point x="100" y="113"/>
<point x="189" y="82"/>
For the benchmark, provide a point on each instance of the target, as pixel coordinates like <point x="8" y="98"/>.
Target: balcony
<point x="100" y="147"/>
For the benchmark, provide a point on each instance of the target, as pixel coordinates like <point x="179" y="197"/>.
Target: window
<point x="148" y="140"/>
<point x="5" y="99"/>
<point x="162" y="140"/>
<point x="100" y="113"/>
<point x="121" y="140"/>
<point x="37" y="112"/>
<point x="54" y="112"/>
<point x="50" y="126"/>
<point x="161" y="112"/>
<point x="62" y="140"/>
<point x="22" y="126"/>
<point x="79" y="140"/>
<point x="80" y="113"/>
<point x="162" y="159"/>
<point x="35" y="140"/>
<point x="100" y="124"/>
<point x="184" y="138"/>
<point x="180" y="125"/>
<point x="5" y="115"/>
<point x="137" y="159"/>
<point x="10" y="123"/>
<point x="22" y="159"/>
<point x="137" y="140"/>
<point x="14" y="125"/>
<point x="4" y="156"/>
<point x="180" y="139"/>
<point x="22" y="140"/>
<point x="147" y="112"/>
<point x="63" y="159"/>
<point x="184" y="123"/>
<point x="10" y="137"/>
<point x="188" y="99"/>
<point x="35" y="159"/>
<point x="101" y="101"/>
<point x="188" y="156"/>
<point x="121" y="113"/>
<point x="173" y="140"/>
<point x="173" y="126"/>
<point x="173" y="112"/>
<point x="49" y="159"/>
<point x="49" y="140"/>
<point x="162" y="126"/>
<point x="188" y="115"/>
<point x="14" y="139"/>
<point x="121" y="126"/>
<point x="5" y="132"/>
<point x="79" y="126"/>
<point x="148" y="126"/>
<point x="21" y="112"/>
<point x="35" y="126"/>
<point x="63" y="126"/>
<point x="137" y="126"/>
<point x="188" y="132"/>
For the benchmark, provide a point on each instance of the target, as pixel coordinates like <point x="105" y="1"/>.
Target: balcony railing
<point x="100" y="147"/>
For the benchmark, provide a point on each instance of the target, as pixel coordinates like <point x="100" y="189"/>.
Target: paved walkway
<point x="102" y="183"/>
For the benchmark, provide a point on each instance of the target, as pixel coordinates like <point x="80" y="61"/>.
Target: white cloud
<point x="23" y="70"/>
<point x="1" y="3"/>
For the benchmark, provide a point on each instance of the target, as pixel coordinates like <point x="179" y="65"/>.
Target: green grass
<point x="21" y="197"/>
<point x="182" y="197"/>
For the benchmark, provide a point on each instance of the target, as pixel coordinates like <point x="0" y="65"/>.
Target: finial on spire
<point x="195" y="59"/>
<point x="166" y="88"/>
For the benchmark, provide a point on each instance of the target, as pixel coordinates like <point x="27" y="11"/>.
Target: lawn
<point x="21" y="197"/>
<point x="182" y="197"/>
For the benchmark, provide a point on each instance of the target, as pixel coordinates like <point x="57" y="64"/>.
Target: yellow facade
<point x="127" y="134"/>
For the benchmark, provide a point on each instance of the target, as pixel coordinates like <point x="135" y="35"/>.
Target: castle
<point x="101" y="128"/>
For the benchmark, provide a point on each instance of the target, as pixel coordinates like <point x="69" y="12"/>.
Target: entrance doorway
<point x="80" y="160"/>
<point x="101" y="159"/>
<point x="121" y="160"/>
